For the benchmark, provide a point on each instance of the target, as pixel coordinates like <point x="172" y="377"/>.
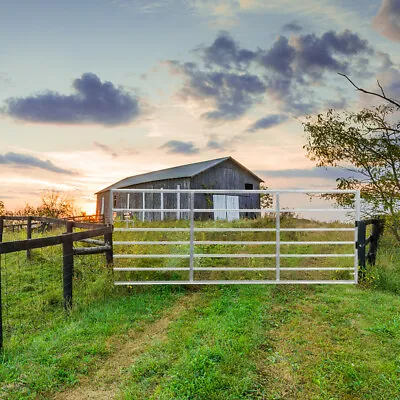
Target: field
<point x="222" y="342"/>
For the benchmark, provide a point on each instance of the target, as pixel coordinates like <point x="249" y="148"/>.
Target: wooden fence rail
<point x="67" y="240"/>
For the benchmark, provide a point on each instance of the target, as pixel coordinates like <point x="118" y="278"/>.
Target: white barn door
<point x="224" y="202"/>
<point x="232" y="202"/>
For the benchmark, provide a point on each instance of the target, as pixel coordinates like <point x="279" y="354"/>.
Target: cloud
<point x="267" y="122"/>
<point x="293" y="26"/>
<point x="387" y="21"/>
<point x="114" y="153"/>
<point x="105" y="149"/>
<point x="25" y="160"/>
<point x="279" y="57"/>
<point x="232" y="94"/>
<point x="94" y="102"/>
<point x="179" y="147"/>
<point x="330" y="52"/>
<point x="233" y="79"/>
<point x="226" y="53"/>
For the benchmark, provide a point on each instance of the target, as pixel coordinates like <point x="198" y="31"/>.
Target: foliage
<point x="366" y="144"/>
<point x="1" y="208"/>
<point x="266" y="199"/>
<point x="54" y="204"/>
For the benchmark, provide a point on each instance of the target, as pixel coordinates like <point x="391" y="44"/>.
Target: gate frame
<point x="278" y="255"/>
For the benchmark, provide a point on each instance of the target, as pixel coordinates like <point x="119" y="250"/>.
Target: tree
<point x="366" y="143"/>
<point x="2" y="210"/>
<point x="56" y="204"/>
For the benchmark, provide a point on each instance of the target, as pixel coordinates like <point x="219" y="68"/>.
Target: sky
<point x="93" y="91"/>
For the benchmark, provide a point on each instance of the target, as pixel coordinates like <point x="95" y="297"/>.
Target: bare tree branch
<point x="371" y="93"/>
<point x="377" y="81"/>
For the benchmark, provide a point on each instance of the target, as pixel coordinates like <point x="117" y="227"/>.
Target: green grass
<point x="227" y="342"/>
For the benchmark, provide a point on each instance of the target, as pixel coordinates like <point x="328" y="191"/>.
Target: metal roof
<point x="182" y="171"/>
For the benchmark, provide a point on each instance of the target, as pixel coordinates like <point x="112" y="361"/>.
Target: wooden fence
<point x="67" y="240"/>
<point x="372" y="241"/>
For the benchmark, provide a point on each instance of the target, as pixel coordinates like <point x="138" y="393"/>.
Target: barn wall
<point x="227" y="175"/>
<point x="106" y="196"/>
<point x="153" y="200"/>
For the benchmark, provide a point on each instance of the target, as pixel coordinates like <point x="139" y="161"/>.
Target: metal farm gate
<point x="128" y="220"/>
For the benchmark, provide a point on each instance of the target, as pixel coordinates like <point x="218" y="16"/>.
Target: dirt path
<point x="103" y="383"/>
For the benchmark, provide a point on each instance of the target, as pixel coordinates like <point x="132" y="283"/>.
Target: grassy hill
<point x="224" y="342"/>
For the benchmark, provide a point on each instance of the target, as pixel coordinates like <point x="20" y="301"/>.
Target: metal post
<point x="162" y="204"/>
<point x="178" y="202"/>
<point x="278" y="238"/>
<point x="29" y="236"/>
<point x="143" y="205"/>
<point x="191" y="262"/>
<point x="361" y="243"/>
<point x="1" y="304"/>
<point x="68" y="268"/>
<point x="357" y="205"/>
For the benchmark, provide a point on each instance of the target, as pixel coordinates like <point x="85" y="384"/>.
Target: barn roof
<point x="181" y="171"/>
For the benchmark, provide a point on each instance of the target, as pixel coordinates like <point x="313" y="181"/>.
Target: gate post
<point x="278" y="238"/>
<point x="361" y="243"/>
<point x="191" y="260"/>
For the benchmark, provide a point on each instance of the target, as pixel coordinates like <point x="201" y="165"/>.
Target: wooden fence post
<point x="29" y="236"/>
<point x="68" y="268"/>
<point x="361" y="242"/>
<point x="1" y="304"/>
<point x="108" y="240"/>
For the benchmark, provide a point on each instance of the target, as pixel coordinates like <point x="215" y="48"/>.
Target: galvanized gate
<point x="127" y="219"/>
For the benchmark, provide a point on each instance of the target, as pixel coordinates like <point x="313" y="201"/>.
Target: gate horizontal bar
<point x="231" y="255"/>
<point x="244" y="282"/>
<point x="224" y="242"/>
<point x="244" y="191"/>
<point x="242" y="210"/>
<point x="150" y="269"/>
<point x="234" y="229"/>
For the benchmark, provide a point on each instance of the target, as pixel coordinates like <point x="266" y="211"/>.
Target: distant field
<point x="227" y="342"/>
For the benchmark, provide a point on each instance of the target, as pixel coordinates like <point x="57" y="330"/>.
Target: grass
<point x="224" y="342"/>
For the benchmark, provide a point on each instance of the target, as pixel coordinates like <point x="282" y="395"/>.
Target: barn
<point x="221" y="173"/>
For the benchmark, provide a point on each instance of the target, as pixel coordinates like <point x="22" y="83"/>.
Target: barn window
<point x="248" y="186"/>
<point x="115" y="201"/>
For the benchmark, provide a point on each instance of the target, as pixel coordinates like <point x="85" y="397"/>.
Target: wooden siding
<point x="227" y="175"/>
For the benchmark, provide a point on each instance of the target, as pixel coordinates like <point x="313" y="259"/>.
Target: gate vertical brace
<point x="1" y="303"/>
<point x="178" y="202"/>
<point x="278" y="238"/>
<point x="68" y="268"/>
<point x="144" y="206"/>
<point x="356" y="234"/>
<point x="191" y="260"/>
<point x="162" y="204"/>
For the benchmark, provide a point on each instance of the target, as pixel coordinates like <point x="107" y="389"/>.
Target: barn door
<point x="223" y="202"/>
<point x="232" y="202"/>
<point x="219" y="202"/>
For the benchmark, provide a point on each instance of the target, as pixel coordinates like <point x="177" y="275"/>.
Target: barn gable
<point x="182" y="171"/>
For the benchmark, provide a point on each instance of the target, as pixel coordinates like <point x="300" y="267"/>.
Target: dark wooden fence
<point x="372" y="241"/>
<point x="67" y="240"/>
